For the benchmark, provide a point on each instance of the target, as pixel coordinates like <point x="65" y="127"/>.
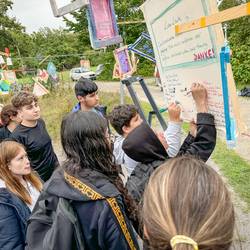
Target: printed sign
<point x="186" y="58"/>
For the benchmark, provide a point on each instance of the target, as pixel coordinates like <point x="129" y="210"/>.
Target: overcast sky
<point x="34" y="14"/>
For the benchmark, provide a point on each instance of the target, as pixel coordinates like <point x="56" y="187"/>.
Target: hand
<point x="193" y="128"/>
<point x="199" y="94"/>
<point x="174" y="112"/>
<point x="162" y="139"/>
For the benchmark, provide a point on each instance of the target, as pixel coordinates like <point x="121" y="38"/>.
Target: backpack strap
<point x="93" y="195"/>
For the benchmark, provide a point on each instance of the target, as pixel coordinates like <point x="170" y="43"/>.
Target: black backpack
<point x="53" y="226"/>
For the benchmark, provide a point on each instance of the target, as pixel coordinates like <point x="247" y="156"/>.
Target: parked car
<point x="77" y="73"/>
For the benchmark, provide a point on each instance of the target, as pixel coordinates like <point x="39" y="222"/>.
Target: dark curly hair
<point x="121" y="115"/>
<point x="84" y="140"/>
<point x="6" y="113"/>
<point x="23" y="98"/>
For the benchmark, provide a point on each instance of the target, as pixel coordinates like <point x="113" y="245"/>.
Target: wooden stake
<point x="222" y="16"/>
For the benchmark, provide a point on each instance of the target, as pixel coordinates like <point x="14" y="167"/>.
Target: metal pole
<point x="153" y="104"/>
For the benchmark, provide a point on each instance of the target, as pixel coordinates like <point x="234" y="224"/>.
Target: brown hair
<point x="23" y="98"/>
<point x="6" y="113"/>
<point x="8" y="151"/>
<point x="121" y="115"/>
<point x="186" y="197"/>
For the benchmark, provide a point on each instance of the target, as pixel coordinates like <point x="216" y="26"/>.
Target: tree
<point x="239" y="41"/>
<point x="60" y="45"/>
<point x="8" y="25"/>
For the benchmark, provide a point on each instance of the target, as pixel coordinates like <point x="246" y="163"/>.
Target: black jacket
<point x="14" y="214"/>
<point x="99" y="225"/>
<point x="143" y="146"/>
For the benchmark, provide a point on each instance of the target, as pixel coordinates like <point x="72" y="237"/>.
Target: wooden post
<point x="219" y="17"/>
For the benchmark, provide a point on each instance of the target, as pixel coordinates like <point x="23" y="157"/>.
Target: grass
<point x="233" y="167"/>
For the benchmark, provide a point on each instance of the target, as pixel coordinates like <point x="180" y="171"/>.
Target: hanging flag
<point x="7" y="51"/>
<point x="39" y="89"/>
<point x="143" y="47"/>
<point x="2" y="60"/>
<point x="9" y="75"/>
<point x="51" y="69"/>
<point x="9" y="61"/>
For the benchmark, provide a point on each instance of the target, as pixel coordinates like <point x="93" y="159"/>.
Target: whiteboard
<point x="188" y="57"/>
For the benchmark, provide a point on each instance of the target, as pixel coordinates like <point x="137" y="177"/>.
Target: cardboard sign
<point x="10" y="76"/>
<point x="39" y="90"/>
<point x="123" y="61"/>
<point x="85" y="64"/>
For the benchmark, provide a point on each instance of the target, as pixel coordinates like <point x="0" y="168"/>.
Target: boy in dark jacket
<point x="143" y="146"/>
<point x="33" y="135"/>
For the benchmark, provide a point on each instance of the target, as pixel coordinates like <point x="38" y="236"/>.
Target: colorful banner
<point x="103" y="30"/>
<point x="123" y="61"/>
<point x="143" y="47"/>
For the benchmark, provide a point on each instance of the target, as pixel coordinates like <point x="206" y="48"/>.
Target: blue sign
<point x="51" y="69"/>
<point x="143" y="47"/>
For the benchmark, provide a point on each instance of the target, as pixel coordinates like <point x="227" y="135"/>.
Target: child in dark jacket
<point x="143" y="146"/>
<point x="90" y="181"/>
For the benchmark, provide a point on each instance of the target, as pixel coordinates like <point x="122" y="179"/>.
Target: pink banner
<point x="103" y="19"/>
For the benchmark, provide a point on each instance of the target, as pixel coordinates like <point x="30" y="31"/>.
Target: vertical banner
<point x="102" y="24"/>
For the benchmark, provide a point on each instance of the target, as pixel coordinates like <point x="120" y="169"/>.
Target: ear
<point x="80" y="98"/>
<point x="126" y="130"/>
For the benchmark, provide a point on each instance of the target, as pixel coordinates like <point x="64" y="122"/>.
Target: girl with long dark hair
<point x="90" y="180"/>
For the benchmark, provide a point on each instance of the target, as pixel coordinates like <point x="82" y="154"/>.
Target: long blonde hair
<point x="186" y="197"/>
<point x="8" y="151"/>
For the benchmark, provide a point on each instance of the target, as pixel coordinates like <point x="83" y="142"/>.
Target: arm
<point x="173" y="133"/>
<point x="173" y="137"/>
<point x="203" y="144"/>
<point x="10" y="232"/>
<point x="187" y="142"/>
<point x="205" y="140"/>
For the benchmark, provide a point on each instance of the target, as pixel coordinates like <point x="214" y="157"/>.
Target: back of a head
<point x="84" y="140"/>
<point x="7" y="112"/>
<point x="186" y="197"/>
<point x="84" y="87"/>
<point x="121" y="115"/>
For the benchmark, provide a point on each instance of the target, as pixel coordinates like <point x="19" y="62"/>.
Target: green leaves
<point x="239" y="41"/>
